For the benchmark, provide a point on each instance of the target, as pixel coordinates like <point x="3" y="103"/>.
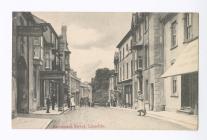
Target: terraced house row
<point x="158" y="58"/>
<point x="40" y="63"/>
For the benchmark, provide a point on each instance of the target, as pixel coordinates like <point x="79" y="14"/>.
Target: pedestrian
<point x="68" y="101"/>
<point x="141" y="105"/>
<point x="53" y="101"/>
<point x="48" y="104"/>
<point x="72" y="102"/>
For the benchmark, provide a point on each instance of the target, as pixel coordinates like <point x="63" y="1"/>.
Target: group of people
<point x="50" y="100"/>
<point x="84" y="101"/>
<point x="140" y="106"/>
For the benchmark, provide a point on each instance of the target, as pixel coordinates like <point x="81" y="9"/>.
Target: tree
<point x="100" y="85"/>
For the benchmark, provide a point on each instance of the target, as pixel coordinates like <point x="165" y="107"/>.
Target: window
<point x="120" y="55"/>
<point x="21" y="21"/>
<point x="35" y="84"/>
<point x="188" y="26"/>
<point x="36" y="42"/>
<point x="36" y="52"/>
<point x="120" y="74"/>
<point x="146" y="56"/>
<point x="123" y="73"/>
<point x="139" y="33"/>
<point x="123" y="52"/>
<point x="140" y="64"/>
<point x="131" y="69"/>
<point x="131" y="45"/>
<point x="22" y="45"/>
<point x="47" y="60"/>
<point x="146" y="23"/>
<point x="136" y="61"/>
<point x="174" y="86"/>
<point x="127" y="70"/>
<point x="127" y="47"/>
<point x="174" y="34"/>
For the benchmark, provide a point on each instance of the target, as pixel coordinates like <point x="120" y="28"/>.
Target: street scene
<point x="105" y="70"/>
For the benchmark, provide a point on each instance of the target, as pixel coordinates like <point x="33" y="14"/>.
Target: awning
<point x="186" y="62"/>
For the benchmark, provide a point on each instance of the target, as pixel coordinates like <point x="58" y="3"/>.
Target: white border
<point x="96" y="6"/>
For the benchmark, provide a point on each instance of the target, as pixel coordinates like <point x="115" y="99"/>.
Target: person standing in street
<point x="53" y="101"/>
<point x="141" y="105"/>
<point x="48" y="104"/>
<point x="68" y="100"/>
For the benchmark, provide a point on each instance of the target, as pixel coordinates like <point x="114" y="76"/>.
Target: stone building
<point x="181" y="61"/>
<point x="148" y="58"/>
<point x="125" y="71"/>
<point x="36" y="67"/>
<point x="85" y="92"/>
<point x="114" y="93"/>
<point x="75" y="83"/>
<point x="24" y="31"/>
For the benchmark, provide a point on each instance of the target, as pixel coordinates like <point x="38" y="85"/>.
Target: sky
<point x="92" y="37"/>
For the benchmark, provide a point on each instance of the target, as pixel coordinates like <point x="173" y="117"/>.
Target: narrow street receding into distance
<point x="108" y="118"/>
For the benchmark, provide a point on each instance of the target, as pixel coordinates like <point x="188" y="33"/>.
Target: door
<point x="189" y="92"/>
<point x="152" y="97"/>
<point x="22" y="87"/>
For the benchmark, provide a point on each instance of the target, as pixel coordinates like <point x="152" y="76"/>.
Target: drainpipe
<point x="28" y="68"/>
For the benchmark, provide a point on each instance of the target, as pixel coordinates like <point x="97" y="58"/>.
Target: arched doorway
<point x="22" y="87"/>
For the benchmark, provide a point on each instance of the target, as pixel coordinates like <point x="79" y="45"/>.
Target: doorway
<point x="152" y="97"/>
<point x="22" y="87"/>
<point x="189" y="93"/>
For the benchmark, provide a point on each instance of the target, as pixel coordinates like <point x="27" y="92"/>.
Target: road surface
<point x="108" y="118"/>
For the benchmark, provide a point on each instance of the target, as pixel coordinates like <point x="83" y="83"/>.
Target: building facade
<point x="24" y="30"/>
<point x="148" y="58"/>
<point x="125" y="71"/>
<point x="75" y="84"/>
<point x="164" y="61"/>
<point x="181" y="61"/>
<point x="37" y="71"/>
<point x="85" y="93"/>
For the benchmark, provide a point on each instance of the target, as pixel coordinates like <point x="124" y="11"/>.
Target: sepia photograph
<point x="105" y="70"/>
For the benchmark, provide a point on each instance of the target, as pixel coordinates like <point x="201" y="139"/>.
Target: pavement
<point x="36" y="120"/>
<point x="52" y="112"/>
<point x="185" y="120"/>
<point x="30" y="123"/>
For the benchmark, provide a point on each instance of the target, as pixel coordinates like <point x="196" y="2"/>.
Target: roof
<point x="124" y="39"/>
<point x="42" y="22"/>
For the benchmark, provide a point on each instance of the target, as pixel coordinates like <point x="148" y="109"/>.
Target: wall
<point x="173" y="103"/>
<point x="155" y="68"/>
<point x="127" y="59"/>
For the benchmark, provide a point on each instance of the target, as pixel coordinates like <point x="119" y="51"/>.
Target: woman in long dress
<point x="141" y="106"/>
